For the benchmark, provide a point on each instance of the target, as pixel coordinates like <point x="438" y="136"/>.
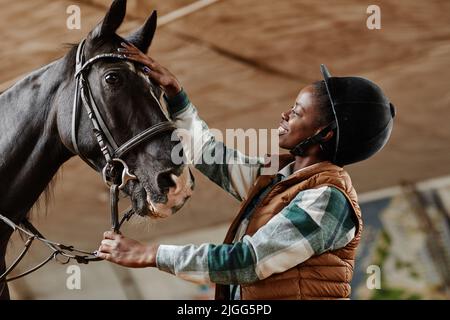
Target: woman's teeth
<point x="282" y="130"/>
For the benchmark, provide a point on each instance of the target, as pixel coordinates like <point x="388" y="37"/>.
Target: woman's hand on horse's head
<point x="153" y="69"/>
<point x="127" y="252"/>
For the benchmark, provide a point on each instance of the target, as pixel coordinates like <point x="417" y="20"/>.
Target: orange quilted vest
<point x="324" y="276"/>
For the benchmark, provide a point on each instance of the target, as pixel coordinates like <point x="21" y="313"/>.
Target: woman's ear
<point x="328" y="136"/>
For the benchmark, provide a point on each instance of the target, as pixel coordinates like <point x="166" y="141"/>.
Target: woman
<point x="296" y="234"/>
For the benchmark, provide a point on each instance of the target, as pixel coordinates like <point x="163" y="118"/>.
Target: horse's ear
<point x="112" y="21"/>
<point x="142" y="38"/>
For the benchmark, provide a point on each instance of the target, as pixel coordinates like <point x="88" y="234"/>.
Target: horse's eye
<point x="112" y="78"/>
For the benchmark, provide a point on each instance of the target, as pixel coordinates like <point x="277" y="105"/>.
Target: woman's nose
<point x="285" y="116"/>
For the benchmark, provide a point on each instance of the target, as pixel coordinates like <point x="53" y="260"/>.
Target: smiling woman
<point x="304" y="120"/>
<point x="297" y="232"/>
<point x="311" y="115"/>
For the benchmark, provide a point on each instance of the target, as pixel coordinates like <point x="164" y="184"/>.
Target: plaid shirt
<point x="316" y="220"/>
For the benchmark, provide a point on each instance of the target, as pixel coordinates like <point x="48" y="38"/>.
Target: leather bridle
<point x="115" y="173"/>
<point x="112" y="152"/>
<point x="109" y="147"/>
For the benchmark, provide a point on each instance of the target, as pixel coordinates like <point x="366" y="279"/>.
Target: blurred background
<point x="243" y="62"/>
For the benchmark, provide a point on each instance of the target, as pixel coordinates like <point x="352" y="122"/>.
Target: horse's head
<point x="129" y="104"/>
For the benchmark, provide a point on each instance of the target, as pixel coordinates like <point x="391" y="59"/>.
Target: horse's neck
<point x="30" y="148"/>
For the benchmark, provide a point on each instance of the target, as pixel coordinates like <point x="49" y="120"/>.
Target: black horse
<point x="35" y="128"/>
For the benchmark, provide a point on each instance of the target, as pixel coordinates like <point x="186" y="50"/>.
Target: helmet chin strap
<point x="300" y="149"/>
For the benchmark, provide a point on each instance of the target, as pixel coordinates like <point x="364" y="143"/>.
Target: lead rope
<point x="57" y="249"/>
<point x="114" y="196"/>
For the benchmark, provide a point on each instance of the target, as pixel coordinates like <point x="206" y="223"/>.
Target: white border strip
<point x="394" y="191"/>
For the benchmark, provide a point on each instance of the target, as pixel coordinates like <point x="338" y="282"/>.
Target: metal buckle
<point x="126" y="174"/>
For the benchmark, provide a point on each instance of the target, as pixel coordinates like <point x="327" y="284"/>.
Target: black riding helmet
<point x="363" y="119"/>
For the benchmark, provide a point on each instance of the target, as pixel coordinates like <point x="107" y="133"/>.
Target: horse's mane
<point x="71" y="56"/>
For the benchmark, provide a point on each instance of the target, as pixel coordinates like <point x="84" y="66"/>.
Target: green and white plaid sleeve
<point x="316" y="221"/>
<point x="228" y="168"/>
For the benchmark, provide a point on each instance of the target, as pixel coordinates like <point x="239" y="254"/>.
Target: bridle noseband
<point x="116" y="178"/>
